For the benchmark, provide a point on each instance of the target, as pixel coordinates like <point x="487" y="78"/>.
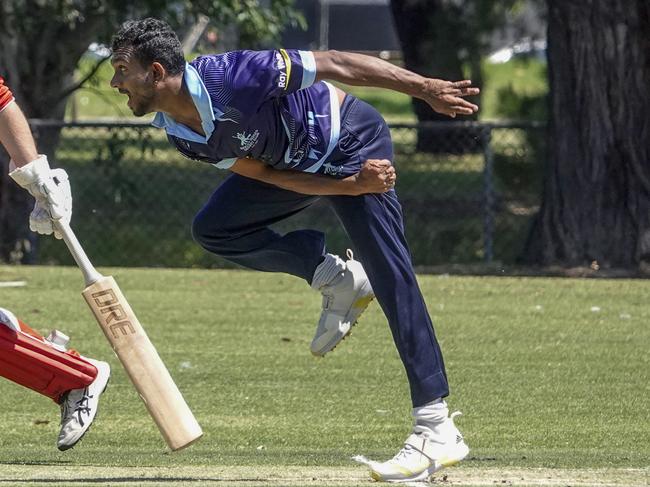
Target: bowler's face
<point x="135" y="81"/>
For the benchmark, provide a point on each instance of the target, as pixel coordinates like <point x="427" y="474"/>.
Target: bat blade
<point x="142" y="363"/>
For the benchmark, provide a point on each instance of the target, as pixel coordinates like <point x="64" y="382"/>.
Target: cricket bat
<point x="135" y="351"/>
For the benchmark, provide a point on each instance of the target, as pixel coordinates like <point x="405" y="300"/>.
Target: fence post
<point x="488" y="195"/>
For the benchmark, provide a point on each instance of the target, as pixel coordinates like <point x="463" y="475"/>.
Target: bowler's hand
<point x="376" y="176"/>
<point x="447" y="97"/>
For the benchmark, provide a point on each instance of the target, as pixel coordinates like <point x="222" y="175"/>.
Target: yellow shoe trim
<point x="363" y="302"/>
<point x="406" y="473"/>
<point x="449" y="462"/>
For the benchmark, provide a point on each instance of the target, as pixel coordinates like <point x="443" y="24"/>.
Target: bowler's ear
<point x="159" y="71"/>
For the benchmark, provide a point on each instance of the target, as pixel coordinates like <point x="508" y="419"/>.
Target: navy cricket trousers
<point x="235" y="221"/>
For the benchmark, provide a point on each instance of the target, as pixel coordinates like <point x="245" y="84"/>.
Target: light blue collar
<point x="201" y="99"/>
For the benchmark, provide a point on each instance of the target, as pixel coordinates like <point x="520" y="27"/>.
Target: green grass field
<point x="552" y="376"/>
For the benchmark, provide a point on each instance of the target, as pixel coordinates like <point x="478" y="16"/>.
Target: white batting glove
<point x="50" y="188"/>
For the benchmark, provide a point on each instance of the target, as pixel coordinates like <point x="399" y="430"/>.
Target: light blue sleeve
<point x="308" y="69"/>
<point x="225" y="163"/>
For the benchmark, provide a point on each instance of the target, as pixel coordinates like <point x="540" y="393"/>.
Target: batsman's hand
<point x="51" y="189"/>
<point x="448" y="97"/>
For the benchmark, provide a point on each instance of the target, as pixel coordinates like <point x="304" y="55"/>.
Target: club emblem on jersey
<point x="247" y="141"/>
<point x="331" y="169"/>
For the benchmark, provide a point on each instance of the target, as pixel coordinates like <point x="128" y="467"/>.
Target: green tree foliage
<point x="42" y="42"/>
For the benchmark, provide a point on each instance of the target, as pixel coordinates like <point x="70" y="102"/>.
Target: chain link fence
<point x="469" y="191"/>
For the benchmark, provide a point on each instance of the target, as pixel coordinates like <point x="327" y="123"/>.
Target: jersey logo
<point x="331" y="169"/>
<point x="247" y="141"/>
<point x="284" y="65"/>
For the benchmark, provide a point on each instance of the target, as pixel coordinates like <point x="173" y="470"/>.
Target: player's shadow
<point x="37" y="462"/>
<point x="117" y="480"/>
<point x="110" y="480"/>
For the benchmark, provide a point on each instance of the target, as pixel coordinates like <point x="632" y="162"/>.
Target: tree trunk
<point x="596" y="202"/>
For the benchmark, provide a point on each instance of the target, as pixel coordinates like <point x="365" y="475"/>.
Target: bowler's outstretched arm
<point x="446" y="97"/>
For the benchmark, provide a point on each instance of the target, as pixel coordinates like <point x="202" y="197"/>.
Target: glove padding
<point x="51" y="189"/>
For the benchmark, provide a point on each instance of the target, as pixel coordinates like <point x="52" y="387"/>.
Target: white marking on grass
<point x="13" y="283"/>
<point x="186" y="365"/>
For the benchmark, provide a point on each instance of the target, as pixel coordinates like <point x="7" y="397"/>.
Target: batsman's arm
<point x="446" y="97"/>
<point x="50" y="188"/>
<point x="376" y="176"/>
<point x="15" y="134"/>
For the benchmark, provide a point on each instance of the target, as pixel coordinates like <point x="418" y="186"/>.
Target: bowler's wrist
<point x="350" y="185"/>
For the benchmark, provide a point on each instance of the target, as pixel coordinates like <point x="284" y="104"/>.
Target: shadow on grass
<point x="36" y="462"/>
<point x="112" y="480"/>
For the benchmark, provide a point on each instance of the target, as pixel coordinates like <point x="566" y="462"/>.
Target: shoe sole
<point x="425" y="474"/>
<point x="362" y="303"/>
<point x="69" y="447"/>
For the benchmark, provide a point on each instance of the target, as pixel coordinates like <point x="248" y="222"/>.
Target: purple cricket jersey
<point x="266" y="106"/>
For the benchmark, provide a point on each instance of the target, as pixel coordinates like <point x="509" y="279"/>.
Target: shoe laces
<point x="81" y="406"/>
<point x="328" y="290"/>
<point x="407" y="450"/>
<point x="64" y="409"/>
<point x="404" y="453"/>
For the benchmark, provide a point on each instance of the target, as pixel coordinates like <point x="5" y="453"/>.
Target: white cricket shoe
<point x="424" y="453"/>
<point x="79" y="407"/>
<point x="346" y="294"/>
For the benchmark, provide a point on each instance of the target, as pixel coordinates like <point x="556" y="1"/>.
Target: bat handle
<point x="87" y="269"/>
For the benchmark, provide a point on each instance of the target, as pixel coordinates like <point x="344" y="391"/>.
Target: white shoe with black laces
<point x="346" y="294"/>
<point x="424" y="453"/>
<point x="79" y="407"/>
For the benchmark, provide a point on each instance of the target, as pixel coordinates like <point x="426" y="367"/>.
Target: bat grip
<point x="87" y="269"/>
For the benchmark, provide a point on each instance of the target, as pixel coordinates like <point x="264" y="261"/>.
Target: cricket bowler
<point x="290" y="138"/>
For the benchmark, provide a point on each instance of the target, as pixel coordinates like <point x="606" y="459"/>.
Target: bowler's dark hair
<point x="152" y="40"/>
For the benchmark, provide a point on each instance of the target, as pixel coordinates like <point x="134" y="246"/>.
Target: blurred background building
<point x="357" y="25"/>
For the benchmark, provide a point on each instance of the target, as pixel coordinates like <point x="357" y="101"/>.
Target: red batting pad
<point x="37" y="365"/>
